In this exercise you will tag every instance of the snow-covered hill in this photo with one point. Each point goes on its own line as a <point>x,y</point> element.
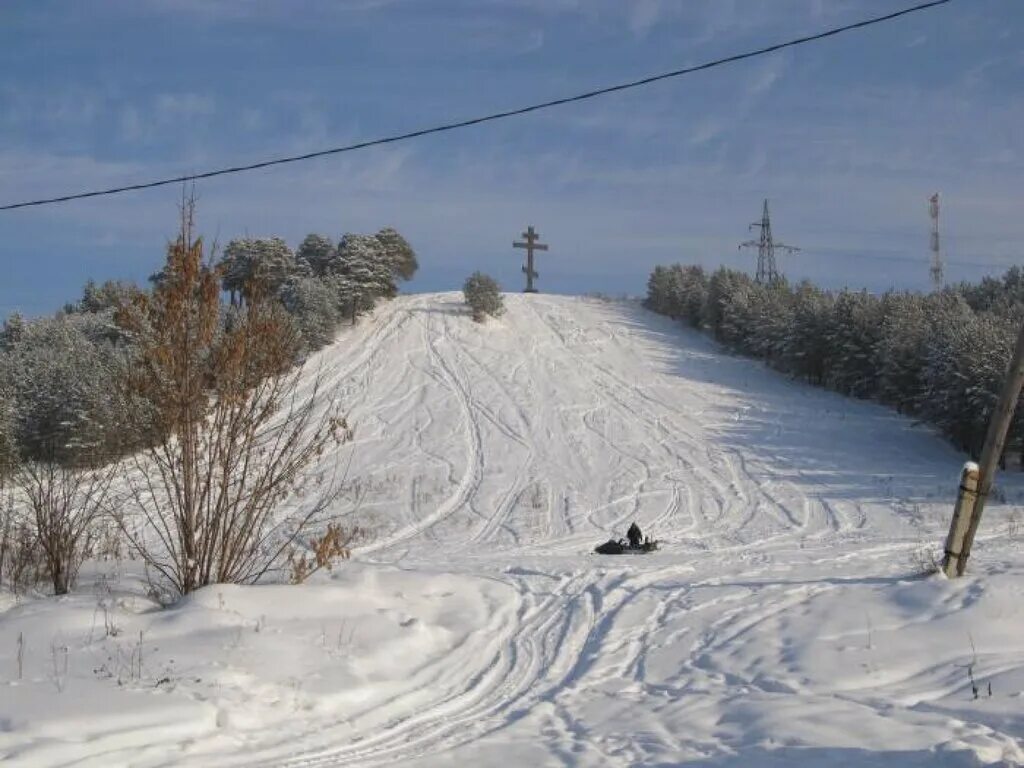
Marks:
<point>783,622</point>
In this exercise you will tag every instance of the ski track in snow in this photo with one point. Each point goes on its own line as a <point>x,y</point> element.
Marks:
<point>565,420</point>
<point>506,451</point>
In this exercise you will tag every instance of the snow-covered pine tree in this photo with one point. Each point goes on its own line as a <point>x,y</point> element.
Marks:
<point>738,313</point>
<point>236,267</point>
<point>721,286</point>
<point>396,250</point>
<point>771,319</point>
<point>483,295</point>
<point>674,291</point>
<point>693,294</point>
<point>65,420</point>
<point>267,260</point>
<point>853,334</point>
<point>8,449</point>
<point>104,297</point>
<point>318,254</point>
<point>65,410</point>
<point>806,347</point>
<point>273,263</point>
<point>985,368</point>
<point>313,303</point>
<point>946,400</point>
<point>364,274</point>
<point>12,331</point>
<point>657,290</point>
<point>901,350</point>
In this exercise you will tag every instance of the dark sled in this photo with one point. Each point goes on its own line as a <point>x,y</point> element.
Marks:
<point>621,547</point>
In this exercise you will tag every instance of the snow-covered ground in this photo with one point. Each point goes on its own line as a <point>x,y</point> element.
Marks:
<point>784,621</point>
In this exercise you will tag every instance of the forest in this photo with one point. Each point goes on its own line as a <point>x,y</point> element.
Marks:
<point>938,357</point>
<point>170,419</point>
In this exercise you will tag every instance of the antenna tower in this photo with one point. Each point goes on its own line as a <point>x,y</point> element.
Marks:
<point>767,270</point>
<point>936,267</point>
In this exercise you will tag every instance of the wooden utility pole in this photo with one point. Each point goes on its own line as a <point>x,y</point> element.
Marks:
<point>531,244</point>
<point>959,541</point>
<point>966,498</point>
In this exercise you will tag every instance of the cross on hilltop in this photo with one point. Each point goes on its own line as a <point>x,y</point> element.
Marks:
<point>531,244</point>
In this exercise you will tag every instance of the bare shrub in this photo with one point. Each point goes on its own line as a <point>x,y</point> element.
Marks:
<point>231,426</point>
<point>65,502</point>
<point>1013,523</point>
<point>107,541</point>
<point>6,531</point>
<point>21,560</point>
<point>925,560</point>
<point>322,552</point>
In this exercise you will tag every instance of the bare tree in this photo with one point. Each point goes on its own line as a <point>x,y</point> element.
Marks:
<point>232,426</point>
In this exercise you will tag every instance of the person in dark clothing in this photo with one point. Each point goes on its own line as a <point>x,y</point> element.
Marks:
<point>635,536</point>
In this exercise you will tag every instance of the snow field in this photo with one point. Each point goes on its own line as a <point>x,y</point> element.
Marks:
<point>785,621</point>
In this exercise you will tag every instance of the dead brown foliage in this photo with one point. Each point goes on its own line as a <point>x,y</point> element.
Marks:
<point>232,428</point>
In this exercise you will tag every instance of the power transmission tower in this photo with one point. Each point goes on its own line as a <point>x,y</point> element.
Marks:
<point>767,270</point>
<point>530,245</point>
<point>936,268</point>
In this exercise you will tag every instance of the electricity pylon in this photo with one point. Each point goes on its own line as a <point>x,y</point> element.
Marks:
<point>767,270</point>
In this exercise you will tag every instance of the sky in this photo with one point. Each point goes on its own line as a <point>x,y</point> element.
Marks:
<point>847,137</point>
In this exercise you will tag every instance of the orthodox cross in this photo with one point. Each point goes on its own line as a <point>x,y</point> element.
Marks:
<point>530,245</point>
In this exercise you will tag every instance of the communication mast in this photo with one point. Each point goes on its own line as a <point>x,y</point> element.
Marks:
<point>936,267</point>
<point>767,271</point>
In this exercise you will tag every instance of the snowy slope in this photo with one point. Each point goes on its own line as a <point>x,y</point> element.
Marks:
<point>783,622</point>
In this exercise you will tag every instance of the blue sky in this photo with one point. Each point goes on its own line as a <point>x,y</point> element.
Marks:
<point>848,137</point>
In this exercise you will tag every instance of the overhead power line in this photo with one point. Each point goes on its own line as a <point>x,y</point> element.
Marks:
<point>484,119</point>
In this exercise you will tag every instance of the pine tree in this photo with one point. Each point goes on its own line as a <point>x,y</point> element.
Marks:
<point>267,261</point>
<point>12,331</point>
<point>314,305</point>
<point>694,291</point>
<point>105,297</point>
<point>723,285</point>
<point>901,351</point>
<point>771,318</point>
<point>657,291</point>
<point>8,448</point>
<point>854,332</point>
<point>483,295</point>
<point>806,346</point>
<point>318,254</point>
<point>364,274</point>
<point>397,252</point>
<point>65,425</point>
<point>62,384</point>
<point>946,399</point>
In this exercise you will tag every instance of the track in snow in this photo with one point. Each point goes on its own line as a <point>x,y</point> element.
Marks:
<point>568,418</point>
<point>510,449</point>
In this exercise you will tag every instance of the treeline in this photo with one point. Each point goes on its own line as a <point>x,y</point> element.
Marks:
<point>939,357</point>
<point>203,330</point>
<point>56,372</point>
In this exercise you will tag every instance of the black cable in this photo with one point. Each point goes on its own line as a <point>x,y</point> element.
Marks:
<point>484,119</point>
